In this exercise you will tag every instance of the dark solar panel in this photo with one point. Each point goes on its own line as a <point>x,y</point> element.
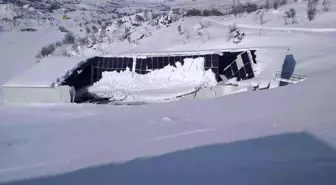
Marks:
<point>155,63</point>
<point>99,73</point>
<point>114,63</point>
<point>125,63</point>
<point>178,59</point>
<point>148,63</point>
<point>130,63</point>
<point>143,66</point>
<point>207,63</point>
<point>105,63</point>
<point>171,60</point>
<point>102,62</point>
<point>110,63</point>
<point>166,60</point>
<point>138,65</point>
<point>157,60</point>
<point>161,62</point>
<point>99,62</point>
<point>208,57</point>
<point>246,58</point>
<point>215,63</point>
<point>182,59</point>
<point>120,63</point>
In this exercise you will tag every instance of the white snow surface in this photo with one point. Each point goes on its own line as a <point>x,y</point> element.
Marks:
<point>157,85</point>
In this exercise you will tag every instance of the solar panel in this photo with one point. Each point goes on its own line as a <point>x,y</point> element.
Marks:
<point>124,63</point>
<point>149,63</point>
<point>130,63</point>
<point>182,59</point>
<point>114,63</point>
<point>143,66</point>
<point>155,63</point>
<point>120,63</point>
<point>166,61</point>
<point>161,62</point>
<point>171,60</point>
<point>178,59</point>
<point>138,64</point>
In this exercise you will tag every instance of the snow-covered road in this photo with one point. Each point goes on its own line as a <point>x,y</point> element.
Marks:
<point>310,30</point>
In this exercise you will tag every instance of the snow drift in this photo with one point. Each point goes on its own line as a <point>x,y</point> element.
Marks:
<point>157,85</point>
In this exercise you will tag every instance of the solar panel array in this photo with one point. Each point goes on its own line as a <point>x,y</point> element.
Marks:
<point>212,62</point>
<point>102,64</point>
<point>244,73</point>
<point>145,65</point>
<point>92,70</point>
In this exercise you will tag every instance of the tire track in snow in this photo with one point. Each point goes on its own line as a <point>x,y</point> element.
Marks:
<point>187,133</point>
<point>20,168</point>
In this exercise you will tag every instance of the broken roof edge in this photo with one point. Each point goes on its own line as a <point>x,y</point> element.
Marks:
<point>190,52</point>
<point>61,80</point>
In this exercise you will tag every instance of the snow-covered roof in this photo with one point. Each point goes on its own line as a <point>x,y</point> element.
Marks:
<point>46,72</point>
<point>192,52</point>
<point>177,53</point>
<point>52,70</point>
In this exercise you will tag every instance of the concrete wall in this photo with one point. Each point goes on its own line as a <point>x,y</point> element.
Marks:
<point>61,94</point>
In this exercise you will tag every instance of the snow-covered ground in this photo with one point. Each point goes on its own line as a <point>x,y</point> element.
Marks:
<point>279,136</point>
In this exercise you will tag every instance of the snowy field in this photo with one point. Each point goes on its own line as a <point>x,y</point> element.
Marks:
<point>284,135</point>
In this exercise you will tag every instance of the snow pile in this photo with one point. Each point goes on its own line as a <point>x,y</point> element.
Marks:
<point>158,85</point>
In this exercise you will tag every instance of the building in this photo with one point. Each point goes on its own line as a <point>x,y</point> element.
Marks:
<point>64,79</point>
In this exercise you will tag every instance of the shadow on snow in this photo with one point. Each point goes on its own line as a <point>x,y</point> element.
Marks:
<point>293,158</point>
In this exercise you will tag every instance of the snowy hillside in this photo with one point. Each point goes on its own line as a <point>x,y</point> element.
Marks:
<point>103,29</point>
<point>284,135</point>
